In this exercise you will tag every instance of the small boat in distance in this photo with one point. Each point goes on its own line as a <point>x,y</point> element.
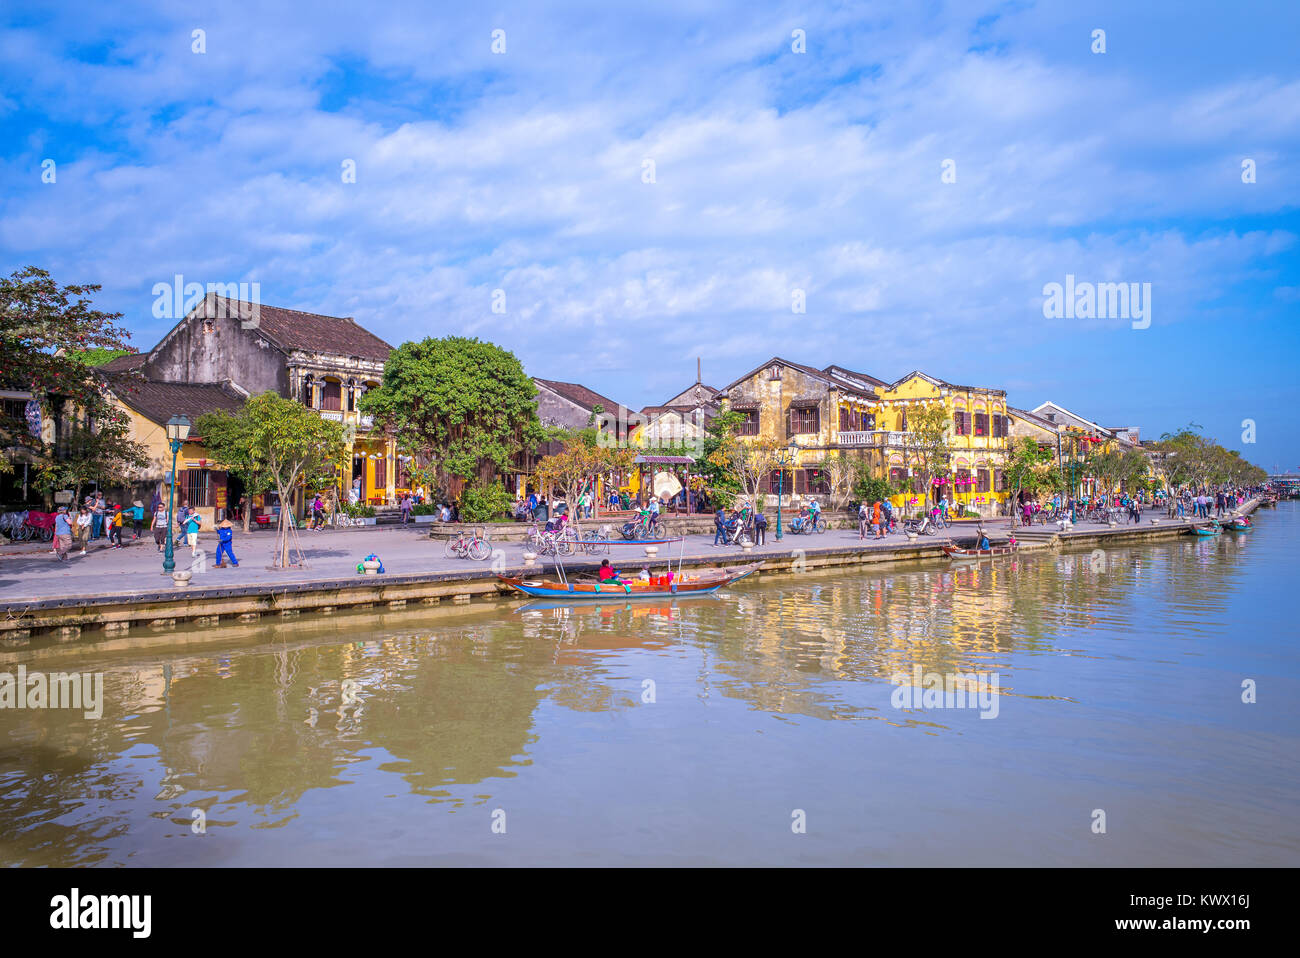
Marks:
<point>1238,524</point>
<point>1207,529</point>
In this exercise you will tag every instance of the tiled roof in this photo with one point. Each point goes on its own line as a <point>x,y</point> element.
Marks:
<point>579,395</point>
<point>159,401</point>
<point>124,363</point>
<point>338,335</point>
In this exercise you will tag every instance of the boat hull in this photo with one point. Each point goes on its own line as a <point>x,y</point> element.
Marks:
<point>956,552</point>
<point>703,584</point>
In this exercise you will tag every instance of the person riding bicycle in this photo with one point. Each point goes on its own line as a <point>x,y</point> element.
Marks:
<point>814,513</point>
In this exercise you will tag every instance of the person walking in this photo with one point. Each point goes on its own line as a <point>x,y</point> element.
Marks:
<point>97,507</point>
<point>62,533</point>
<point>82,529</point>
<point>760,529</point>
<point>225,543</point>
<point>720,527</point>
<point>864,514</point>
<point>115,528</point>
<point>160,525</point>
<point>875,521</point>
<point>407,506</point>
<point>137,518</point>
<point>193,523</point>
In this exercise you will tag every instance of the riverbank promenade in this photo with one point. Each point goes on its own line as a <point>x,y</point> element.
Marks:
<point>119,589</point>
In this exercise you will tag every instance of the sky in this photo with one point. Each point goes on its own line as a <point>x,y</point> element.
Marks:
<point>613,191</point>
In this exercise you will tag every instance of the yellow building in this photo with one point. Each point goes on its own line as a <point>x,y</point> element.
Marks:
<point>978,433</point>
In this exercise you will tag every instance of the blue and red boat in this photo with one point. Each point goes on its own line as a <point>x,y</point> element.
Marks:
<point>666,586</point>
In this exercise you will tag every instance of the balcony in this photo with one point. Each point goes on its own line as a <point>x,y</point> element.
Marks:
<point>875,437</point>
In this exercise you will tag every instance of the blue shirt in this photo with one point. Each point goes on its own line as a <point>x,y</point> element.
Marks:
<point>62,527</point>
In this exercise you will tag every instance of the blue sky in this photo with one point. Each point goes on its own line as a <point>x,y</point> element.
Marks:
<point>524,171</point>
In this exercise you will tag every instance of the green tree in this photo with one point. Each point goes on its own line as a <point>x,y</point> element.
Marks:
<point>46,331</point>
<point>287,442</point>
<point>101,452</point>
<point>714,477</point>
<point>467,403</point>
<point>230,440</point>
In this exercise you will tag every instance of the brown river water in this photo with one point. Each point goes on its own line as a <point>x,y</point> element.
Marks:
<point>781,722</point>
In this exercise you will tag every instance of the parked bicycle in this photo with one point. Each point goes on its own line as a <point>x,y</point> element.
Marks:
<point>464,545</point>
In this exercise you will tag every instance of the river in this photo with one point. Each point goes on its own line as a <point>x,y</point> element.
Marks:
<point>1146,712</point>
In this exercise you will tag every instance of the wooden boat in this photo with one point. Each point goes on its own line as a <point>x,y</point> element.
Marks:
<point>957,552</point>
<point>693,583</point>
<point>1240,524</point>
<point>1211,529</point>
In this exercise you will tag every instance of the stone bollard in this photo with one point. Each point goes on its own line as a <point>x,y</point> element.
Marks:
<point>530,558</point>
<point>651,551</point>
<point>181,580</point>
<point>371,566</point>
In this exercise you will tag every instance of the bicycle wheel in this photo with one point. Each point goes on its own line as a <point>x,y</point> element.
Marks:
<point>564,544</point>
<point>449,549</point>
<point>601,545</point>
<point>479,549</point>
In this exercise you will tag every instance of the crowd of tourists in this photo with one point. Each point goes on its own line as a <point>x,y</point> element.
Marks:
<point>97,519</point>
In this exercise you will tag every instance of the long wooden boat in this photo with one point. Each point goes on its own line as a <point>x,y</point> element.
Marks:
<point>957,552</point>
<point>1207,530</point>
<point>1240,524</point>
<point>694,583</point>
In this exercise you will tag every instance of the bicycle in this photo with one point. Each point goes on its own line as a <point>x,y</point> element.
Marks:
<point>466,546</point>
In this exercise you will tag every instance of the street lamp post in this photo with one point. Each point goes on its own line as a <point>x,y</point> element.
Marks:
<point>783,457</point>
<point>178,430</point>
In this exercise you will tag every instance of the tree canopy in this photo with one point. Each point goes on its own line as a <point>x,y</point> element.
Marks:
<point>468,403</point>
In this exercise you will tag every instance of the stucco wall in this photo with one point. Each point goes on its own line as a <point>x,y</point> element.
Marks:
<point>199,351</point>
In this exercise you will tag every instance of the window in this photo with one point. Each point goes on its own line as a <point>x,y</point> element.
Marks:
<point>869,421</point>
<point>960,423</point>
<point>981,424</point>
<point>815,481</point>
<point>902,421</point>
<point>962,482</point>
<point>197,487</point>
<point>999,481</point>
<point>15,408</point>
<point>981,480</point>
<point>804,420</point>
<point>381,475</point>
<point>331,396</point>
<point>777,482</point>
<point>749,426</point>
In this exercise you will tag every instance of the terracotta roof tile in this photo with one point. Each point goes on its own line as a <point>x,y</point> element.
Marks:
<point>313,332</point>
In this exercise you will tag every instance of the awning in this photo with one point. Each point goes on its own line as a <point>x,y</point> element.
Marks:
<point>665,460</point>
<point>805,403</point>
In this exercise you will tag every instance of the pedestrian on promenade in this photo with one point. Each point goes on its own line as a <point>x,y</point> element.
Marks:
<point>97,507</point>
<point>160,525</point>
<point>62,533</point>
<point>943,507</point>
<point>193,523</point>
<point>82,529</point>
<point>115,528</point>
<point>225,542</point>
<point>864,516</point>
<point>760,529</point>
<point>720,527</point>
<point>318,512</point>
<point>137,518</point>
<point>407,506</point>
<point>875,521</point>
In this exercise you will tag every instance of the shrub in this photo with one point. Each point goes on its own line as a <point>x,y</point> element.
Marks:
<point>480,503</point>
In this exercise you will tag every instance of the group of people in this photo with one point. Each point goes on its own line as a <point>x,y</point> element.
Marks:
<point>877,517</point>
<point>96,518</point>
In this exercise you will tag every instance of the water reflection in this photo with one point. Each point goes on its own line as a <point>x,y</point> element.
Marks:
<point>446,710</point>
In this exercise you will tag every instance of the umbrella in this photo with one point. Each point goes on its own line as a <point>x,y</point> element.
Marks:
<point>666,485</point>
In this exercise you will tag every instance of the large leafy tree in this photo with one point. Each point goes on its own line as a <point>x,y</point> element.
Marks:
<point>230,440</point>
<point>283,441</point>
<point>51,338</point>
<point>467,403</point>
